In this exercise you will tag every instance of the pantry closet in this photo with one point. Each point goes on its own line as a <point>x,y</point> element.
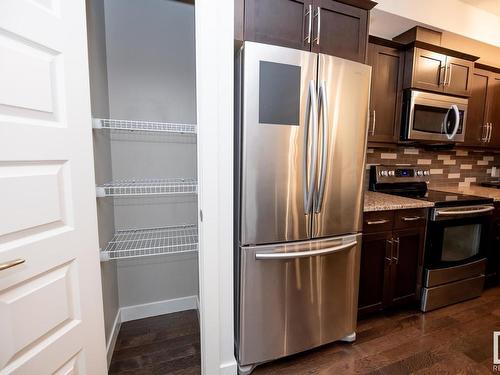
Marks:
<point>142,78</point>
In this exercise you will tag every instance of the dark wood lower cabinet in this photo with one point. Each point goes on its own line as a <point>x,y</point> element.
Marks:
<point>493,258</point>
<point>374,273</point>
<point>391,264</point>
<point>408,247</point>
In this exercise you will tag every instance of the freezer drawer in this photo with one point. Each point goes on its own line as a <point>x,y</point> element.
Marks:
<point>294,297</point>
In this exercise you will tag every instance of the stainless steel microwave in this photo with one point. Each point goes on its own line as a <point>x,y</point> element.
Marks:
<point>433,117</point>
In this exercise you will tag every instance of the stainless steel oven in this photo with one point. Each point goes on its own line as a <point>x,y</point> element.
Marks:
<point>433,117</point>
<point>455,254</point>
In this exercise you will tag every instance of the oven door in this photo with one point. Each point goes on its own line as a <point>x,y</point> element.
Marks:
<point>434,117</point>
<point>457,236</point>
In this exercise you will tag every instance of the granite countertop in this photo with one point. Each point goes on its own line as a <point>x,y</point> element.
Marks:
<point>480,191</point>
<point>383,202</point>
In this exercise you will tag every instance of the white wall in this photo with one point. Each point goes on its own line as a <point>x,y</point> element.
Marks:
<point>452,15</point>
<point>151,76</point>
<point>102,153</point>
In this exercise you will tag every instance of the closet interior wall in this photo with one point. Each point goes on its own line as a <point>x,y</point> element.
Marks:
<point>143,68</point>
<point>151,76</point>
<point>99,100</point>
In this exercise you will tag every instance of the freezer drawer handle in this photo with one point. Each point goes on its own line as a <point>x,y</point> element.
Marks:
<point>305,254</point>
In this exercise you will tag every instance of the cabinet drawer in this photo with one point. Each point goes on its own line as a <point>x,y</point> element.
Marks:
<point>378,221</point>
<point>410,218</point>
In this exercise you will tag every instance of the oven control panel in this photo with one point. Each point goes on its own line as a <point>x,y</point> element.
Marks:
<point>395,173</point>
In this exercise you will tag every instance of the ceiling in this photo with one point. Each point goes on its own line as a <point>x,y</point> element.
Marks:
<point>491,6</point>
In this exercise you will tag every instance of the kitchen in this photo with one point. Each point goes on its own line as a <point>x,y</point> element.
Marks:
<point>333,208</point>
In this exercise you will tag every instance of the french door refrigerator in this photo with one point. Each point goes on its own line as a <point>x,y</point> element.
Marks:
<point>300,153</point>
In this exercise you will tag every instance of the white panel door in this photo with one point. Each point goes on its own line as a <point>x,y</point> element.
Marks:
<point>51,319</point>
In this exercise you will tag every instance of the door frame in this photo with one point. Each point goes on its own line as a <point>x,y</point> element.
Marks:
<point>214,28</point>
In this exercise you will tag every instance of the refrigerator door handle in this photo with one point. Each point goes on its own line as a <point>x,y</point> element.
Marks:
<point>311,112</point>
<point>323,110</point>
<point>305,254</point>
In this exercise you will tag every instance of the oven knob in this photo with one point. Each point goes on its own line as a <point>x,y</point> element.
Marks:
<point>391,173</point>
<point>420,173</point>
<point>384,173</point>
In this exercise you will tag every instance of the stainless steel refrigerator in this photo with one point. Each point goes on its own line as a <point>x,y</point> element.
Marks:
<point>300,160</point>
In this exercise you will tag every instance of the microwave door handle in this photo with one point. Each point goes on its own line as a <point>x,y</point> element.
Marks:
<point>311,112</point>
<point>323,100</point>
<point>454,107</point>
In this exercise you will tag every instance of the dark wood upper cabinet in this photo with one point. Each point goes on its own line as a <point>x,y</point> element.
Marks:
<point>494,112</point>
<point>343,30</point>
<point>281,22</point>
<point>386,92</point>
<point>338,28</point>
<point>436,71</point>
<point>424,69</point>
<point>458,76</point>
<point>475,126</point>
<point>483,114</point>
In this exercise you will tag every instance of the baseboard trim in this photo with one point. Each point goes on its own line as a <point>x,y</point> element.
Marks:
<point>110,345</point>
<point>228,368</point>
<point>158,308</point>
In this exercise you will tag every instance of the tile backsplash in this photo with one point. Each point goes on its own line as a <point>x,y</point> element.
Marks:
<point>448,168</point>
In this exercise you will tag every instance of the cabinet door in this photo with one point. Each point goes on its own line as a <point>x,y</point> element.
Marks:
<point>494,111</point>
<point>280,22</point>
<point>475,129</point>
<point>428,70</point>
<point>458,76</point>
<point>406,266</point>
<point>340,30</point>
<point>493,258</point>
<point>374,272</point>
<point>385,98</point>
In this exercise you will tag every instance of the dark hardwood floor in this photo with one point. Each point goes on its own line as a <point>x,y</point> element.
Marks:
<point>166,344</point>
<point>453,340</point>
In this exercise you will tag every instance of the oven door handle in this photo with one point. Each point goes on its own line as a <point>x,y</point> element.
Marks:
<point>454,107</point>
<point>305,254</point>
<point>467,212</point>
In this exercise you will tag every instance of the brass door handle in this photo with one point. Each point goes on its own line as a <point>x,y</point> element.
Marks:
<point>10,264</point>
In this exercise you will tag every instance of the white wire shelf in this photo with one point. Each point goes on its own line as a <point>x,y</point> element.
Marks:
<point>143,126</point>
<point>171,186</point>
<point>134,243</point>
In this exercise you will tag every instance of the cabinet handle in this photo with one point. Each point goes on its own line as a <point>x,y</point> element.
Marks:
<point>412,218</point>
<point>307,39</point>
<point>389,258</point>
<point>10,264</point>
<point>396,259</point>
<point>318,15</point>
<point>484,129</point>
<point>449,76</point>
<point>374,222</point>
<point>445,73</point>
<point>490,132</point>
<point>374,122</point>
